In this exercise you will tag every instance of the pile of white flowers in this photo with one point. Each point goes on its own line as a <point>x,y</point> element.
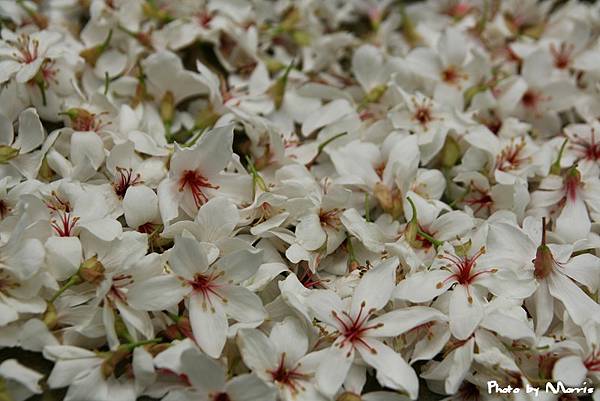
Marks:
<point>256,200</point>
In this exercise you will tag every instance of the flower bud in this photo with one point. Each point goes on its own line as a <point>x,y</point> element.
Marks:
<point>301,38</point>
<point>167,107</point>
<point>7,153</point>
<point>45,172</point>
<point>376,93</point>
<point>543,262</point>
<point>91,271</point>
<point>450,153</point>
<point>207,118</point>
<point>50,317</point>
<point>110,363</point>
<point>92,54</point>
<point>348,396</point>
<point>410,234</point>
<point>389,201</point>
<point>80,119</point>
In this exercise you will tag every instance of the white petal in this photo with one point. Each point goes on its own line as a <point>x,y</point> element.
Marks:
<point>63,256</point>
<point>209,324</point>
<point>11,369</point>
<point>249,388</point>
<point>322,303</point>
<point>422,286</point>
<point>400,321</point>
<point>214,150</point>
<point>309,233</point>
<point>367,64</point>
<point>570,370</point>
<point>375,287</point>
<point>87,145</point>
<point>242,304</point>
<point>140,206</point>
<point>106,229</point>
<point>392,369</point>
<point>6,129</point>
<point>31,131</point>
<point>578,304</point>
<point>464,315</point>
<point>335,366</point>
<point>188,257</point>
<point>584,269</point>
<point>204,373</point>
<point>330,113</point>
<point>217,219</point>
<point>157,293</point>
<point>290,337</point>
<point>573,223</point>
<point>169,198</point>
<point>257,351</point>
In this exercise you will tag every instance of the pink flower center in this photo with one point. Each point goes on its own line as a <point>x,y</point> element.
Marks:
<point>458,9</point>
<point>589,150</point>
<point>27,49</point>
<point>592,363</point>
<point>120,281</point>
<point>195,182</point>
<point>572,184</point>
<point>479,198</point>
<point>330,218</point>
<point>422,113</point>
<point>509,158</point>
<point>562,55</point>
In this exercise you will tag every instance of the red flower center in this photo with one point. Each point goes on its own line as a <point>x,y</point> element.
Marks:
<point>353,329</point>
<point>288,377</point>
<point>125,179</point>
<point>221,397</point>
<point>195,182</point>
<point>4,209</point>
<point>423,115</point>
<point>462,268</point>
<point>65,224</point>
<point>452,75</point>
<point>531,99</point>
<point>208,286</point>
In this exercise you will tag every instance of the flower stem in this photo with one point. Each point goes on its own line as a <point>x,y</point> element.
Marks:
<point>74,280</point>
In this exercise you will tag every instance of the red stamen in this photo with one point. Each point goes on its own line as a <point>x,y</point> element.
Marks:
<point>288,377</point>
<point>353,329</point>
<point>462,269</point>
<point>125,179</point>
<point>195,182</point>
<point>65,226</point>
<point>208,286</point>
